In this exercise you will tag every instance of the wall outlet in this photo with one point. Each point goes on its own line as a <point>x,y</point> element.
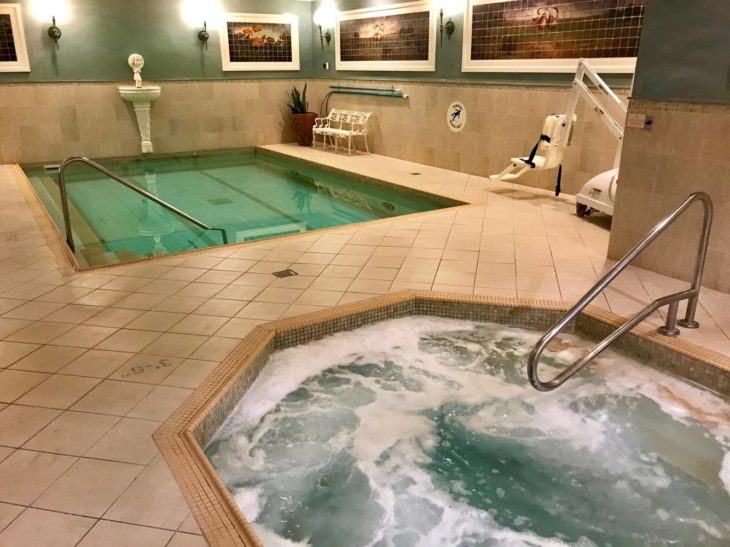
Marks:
<point>639,121</point>
<point>326,66</point>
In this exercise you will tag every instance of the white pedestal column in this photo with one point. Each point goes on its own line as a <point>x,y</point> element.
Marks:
<point>142,110</point>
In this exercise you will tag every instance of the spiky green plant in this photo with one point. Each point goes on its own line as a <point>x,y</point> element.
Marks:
<point>298,101</point>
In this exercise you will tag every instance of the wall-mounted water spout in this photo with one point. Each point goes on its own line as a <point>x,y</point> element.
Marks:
<point>141,96</point>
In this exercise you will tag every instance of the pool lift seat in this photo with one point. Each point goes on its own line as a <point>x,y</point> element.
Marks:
<point>598,193</point>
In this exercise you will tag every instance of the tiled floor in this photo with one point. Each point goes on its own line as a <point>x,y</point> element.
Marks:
<point>91,364</point>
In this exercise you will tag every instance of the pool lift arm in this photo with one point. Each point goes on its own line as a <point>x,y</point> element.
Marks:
<point>600,192</point>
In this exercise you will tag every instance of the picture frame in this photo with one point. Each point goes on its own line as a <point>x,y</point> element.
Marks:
<point>399,37</point>
<point>256,41</point>
<point>526,37</point>
<point>13,48</point>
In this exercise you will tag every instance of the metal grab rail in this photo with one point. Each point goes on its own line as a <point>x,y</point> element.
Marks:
<point>672,300</point>
<point>117,178</point>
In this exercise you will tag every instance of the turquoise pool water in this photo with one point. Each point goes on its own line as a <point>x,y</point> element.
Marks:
<point>424,432</point>
<point>249,196</point>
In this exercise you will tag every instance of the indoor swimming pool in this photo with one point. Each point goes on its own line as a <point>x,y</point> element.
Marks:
<point>424,431</point>
<point>242,197</point>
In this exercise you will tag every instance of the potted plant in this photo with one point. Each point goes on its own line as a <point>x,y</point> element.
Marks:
<point>302,121</point>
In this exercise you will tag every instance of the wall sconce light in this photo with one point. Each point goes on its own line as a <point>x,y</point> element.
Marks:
<point>54,32</point>
<point>326,18</point>
<point>204,35</point>
<point>449,27</point>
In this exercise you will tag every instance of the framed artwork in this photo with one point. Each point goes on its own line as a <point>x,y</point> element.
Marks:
<point>398,37</point>
<point>551,35</point>
<point>13,51</point>
<point>254,41</point>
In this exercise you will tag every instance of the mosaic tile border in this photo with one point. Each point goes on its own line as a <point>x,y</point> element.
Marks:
<point>182,437</point>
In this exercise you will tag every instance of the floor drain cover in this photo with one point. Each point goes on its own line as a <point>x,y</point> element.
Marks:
<point>220,201</point>
<point>415,174</point>
<point>285,273</point>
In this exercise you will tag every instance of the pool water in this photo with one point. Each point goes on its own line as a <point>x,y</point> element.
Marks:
<point>248,196</point>
<point>424,432</point>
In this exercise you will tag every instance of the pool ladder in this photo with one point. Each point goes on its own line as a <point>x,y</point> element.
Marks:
<point>91,163</point>
<point>672,300</point>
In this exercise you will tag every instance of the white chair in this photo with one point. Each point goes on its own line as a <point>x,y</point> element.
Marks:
<point>342,124</point>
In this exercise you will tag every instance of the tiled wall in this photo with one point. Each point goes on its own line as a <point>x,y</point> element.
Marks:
<point>48,122</point>
<point>502,122</point>
<point>685,151</point>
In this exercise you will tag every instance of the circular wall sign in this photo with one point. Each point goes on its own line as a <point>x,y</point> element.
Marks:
<point>456,116</point>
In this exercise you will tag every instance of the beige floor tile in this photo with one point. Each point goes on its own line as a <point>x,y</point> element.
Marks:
<point>15,383</point>
<point>84,336</point>
<point>319,298</point>
<point>218,307</point>
<point>97,363</point>
<point>156,321</point>
<point>114,317</point>
<point>5,451</point>
<point>102,297</point>
<point>383,274</point>
<point>500,293</point>
<point>187,540</point>
<point>190,374</point>
<point>65,294</point>
<point>58,391</point>
<point>130,441</point>
<point>129,340</point>
<point>159,403</point>
<point>265,311</point>
<point>202,290</point>
<point>141,301</point>
<point>8,513</point>
<point>25,475</point>
<point>117,534</point>
<point>175,345</point>
<point>162,286</point>
<point>235,265</point>
<point>10,352</point>
<point>215,349</point>
<point>339,284</point>
<point>126,284</point>
<point>299,309</point>
<point>72,433</point>
<point>33,311</point>
<point>350,260</point>
<point>398,286</point>
<point>10,327</point>
<point>199,324</point>
<point>453,289</point>
<point>89,487</point>
<point>235,328</point>
<point>190,526</point>
<point>342,271</point>
<point>146,369</point>
<point>254,280</point>
<point>415,275</point>
<point>28,291</point>
<point>218,277</point>
<point>112,397</point>
<point>74,313</point>
<point>308,269</point>
<point>8,304</point>
<point>350,297</point>
<point>40,333</point>
<point>48,359</point>
<point>279,295</point>
<point>184,274</point>
<point>371,286</point>
<point>19,423</point>
<point>35,528</point>
<point>239,292</point>
<point>153,499</point>
<point>294,282</point>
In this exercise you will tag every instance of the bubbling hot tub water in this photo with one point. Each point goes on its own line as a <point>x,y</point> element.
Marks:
<point>424,431</point>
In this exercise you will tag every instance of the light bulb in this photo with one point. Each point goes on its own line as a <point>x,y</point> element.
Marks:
<point>326,14</point>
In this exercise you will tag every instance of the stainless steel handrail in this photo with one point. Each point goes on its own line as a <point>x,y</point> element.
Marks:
<point>672,300</point>
<point>117,178</point>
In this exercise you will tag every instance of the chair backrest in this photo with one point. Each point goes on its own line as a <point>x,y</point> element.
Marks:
<point>350,120</point>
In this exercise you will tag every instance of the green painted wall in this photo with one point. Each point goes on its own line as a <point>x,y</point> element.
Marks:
<point>448,58</point>
<point>685,51</point>
<point>101,34</point>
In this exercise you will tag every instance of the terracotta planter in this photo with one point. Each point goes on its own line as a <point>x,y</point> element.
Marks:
<point>302,125</point>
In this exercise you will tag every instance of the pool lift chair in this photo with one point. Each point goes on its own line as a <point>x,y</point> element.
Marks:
<point>599,193</point>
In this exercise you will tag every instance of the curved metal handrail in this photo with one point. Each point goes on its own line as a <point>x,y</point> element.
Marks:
<point>672,300</point>
<point>133,187</point>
